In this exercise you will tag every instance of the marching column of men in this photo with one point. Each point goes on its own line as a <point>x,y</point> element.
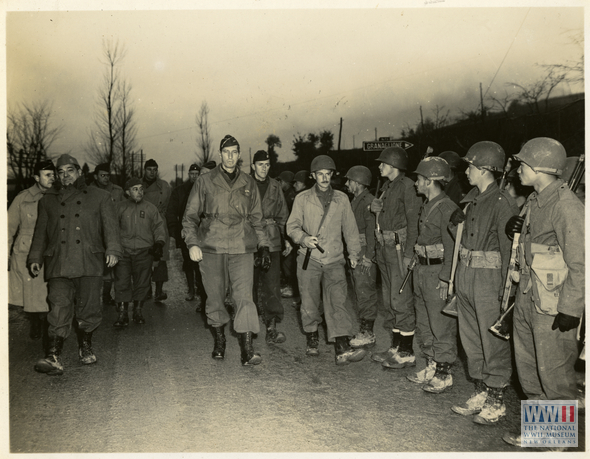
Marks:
<point>238,231</point>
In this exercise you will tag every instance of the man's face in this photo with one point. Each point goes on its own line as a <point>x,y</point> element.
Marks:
<point>385,169</point>
<point>284,185</point>
<point>261,169</point>
<point>526,174</point>
<point>229,157</point>
<point>151,173</point>
<point>68,174</point>
<point>322,178</point>
<point>136,192</point>
<point>298,186</point>
<point>103,178</point>
<point>192,176</point>
<point>422,185</point>
<point>473,174</point>
<point>352,186</point>
<point>45,179</point>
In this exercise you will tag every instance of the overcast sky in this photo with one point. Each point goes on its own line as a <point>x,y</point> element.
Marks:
<point>278,71</point>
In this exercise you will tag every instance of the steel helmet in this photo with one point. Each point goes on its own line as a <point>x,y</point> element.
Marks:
<point>486,155</point>
<point>543,155</point>
<point>322,162</point>
<point>286,176</point>
<point>394,156</point>
<point>434,168</point>
<point>360,174</point>
<point>452,158</point>
<point>301,176</point>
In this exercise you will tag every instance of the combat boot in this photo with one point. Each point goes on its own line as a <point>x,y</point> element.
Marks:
<point>313,344</point>
<point>137,316</point>
<point>424,375</point>
<point>405,354</point>
<point>442,380</point>
<point>493,409</point>
<point>249,357</point>
<point>272,335</point>
<point>345,354</point>
<point>123,318</point>
<point>287,292</point>
<point>85,347</point>
<point>219,344</point>
<point>365,337</point>
<point>51,364</point>
<point>475,403</point>
<point>383,356</point>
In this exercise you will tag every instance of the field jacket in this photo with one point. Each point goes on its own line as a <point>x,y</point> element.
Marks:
<point>141,225</point>
<point>274,214</point>
<point>224,218</point>
<point>305,220</point>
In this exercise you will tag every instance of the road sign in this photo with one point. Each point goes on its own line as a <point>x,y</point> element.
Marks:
<point>379,146</point>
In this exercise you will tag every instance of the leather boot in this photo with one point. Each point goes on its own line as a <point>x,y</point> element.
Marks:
<point>123,318</point>
<point>475,403</point>
<point>405,354</point>
<point>442,380</point>
<point>36,322</point>
<point>85,347</point>
<point>313,344</point>
<point>365,337</point>
<point>272,335</point>
<point>345,354</point>
<point>219,344</point>
<point>51,364</point>
<point>493,409</point>
<point>249,357</point>
<point>137,317</point>
<point>392,351</point>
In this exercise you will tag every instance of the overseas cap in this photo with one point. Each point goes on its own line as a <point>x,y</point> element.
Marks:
<point>66,159</point>
<point>228,141</point>
<point>44,165</point>
<point>260,155</point>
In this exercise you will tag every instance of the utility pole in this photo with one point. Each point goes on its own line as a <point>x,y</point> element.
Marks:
<point>182,173</point>
<point>483,115</point>
<point>141,162</point>
<point>353,144</point>
<point>340,134</point>
<point>422,120</point>
<point>375,134</point>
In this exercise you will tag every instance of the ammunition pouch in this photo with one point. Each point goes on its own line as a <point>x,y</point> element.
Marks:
<point>480,259</point>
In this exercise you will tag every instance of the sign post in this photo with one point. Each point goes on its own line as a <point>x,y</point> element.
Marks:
<point>383,144</point>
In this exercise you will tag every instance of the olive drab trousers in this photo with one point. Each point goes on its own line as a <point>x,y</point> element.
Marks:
<point>365,289</point>
<point>488,357</point>
<point>545,358</point>
<point>221,270</point>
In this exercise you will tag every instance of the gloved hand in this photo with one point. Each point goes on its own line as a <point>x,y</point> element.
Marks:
<point>565,322</point>
<point>264,258</point>
<point>457,217</point>
<point>376,205</point>
<point>514,225</point>
<point>158,250</point>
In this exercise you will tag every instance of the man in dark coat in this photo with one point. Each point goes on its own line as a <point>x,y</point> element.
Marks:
<point>174,214</point>
<point>76,229</point>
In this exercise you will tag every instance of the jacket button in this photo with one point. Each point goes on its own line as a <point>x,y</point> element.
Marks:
<point>62,216</point>
<point>77,215</point>
<point>63,229</point>
<point>78,228</point>
<point>78,241</point>
<point>63,242</point>
<point>79,202</point>
<point>63,203</point>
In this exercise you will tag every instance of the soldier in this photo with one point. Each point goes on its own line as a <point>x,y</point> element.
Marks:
<point>24,290</point>
<point>436,333</point>
<point>207,167</point>
<point>397,217</point>
<point>364,277</point>
<point>320,217</point>
<point>289,256</point>
<point>550,294</point>
<point>456,188</point>
<point>157,191</point>
<point>479,281</point>
<point>76,228</point>
<point>102,180</point>
<point>275,214</point>
<point>174,214</point>
<point>222,227</point>
<point>143,237</point>
<point>300,181</point>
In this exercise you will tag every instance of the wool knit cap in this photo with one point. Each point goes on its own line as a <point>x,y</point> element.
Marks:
<point>260,155</point>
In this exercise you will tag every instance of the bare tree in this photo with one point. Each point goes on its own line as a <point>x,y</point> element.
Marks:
<point>29,136</point>
<point>502,103</point>
<point>273,142</point>
<point>534,93</point>
<point>573,70</point>
<point>127,128</point>
<point>204,142</point>
<point>441,118</point>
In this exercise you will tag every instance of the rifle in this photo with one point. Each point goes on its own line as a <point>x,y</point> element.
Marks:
<point>577,175</point>
<point>505,173</point>
<point>411,267</point>
<point>450,308</point>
